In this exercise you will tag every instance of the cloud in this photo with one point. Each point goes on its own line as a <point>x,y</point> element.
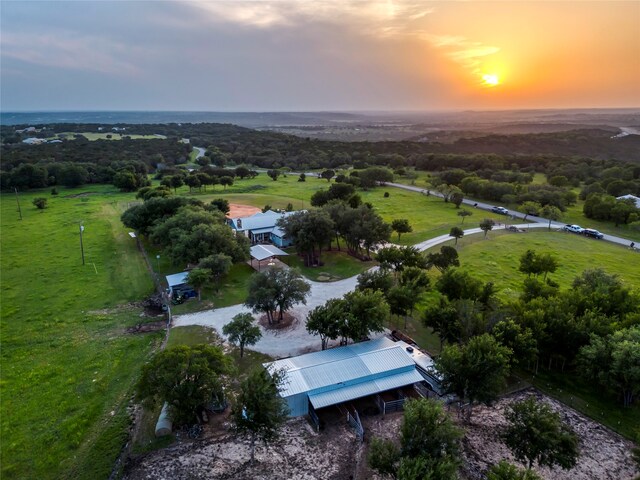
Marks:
<point>460,49</point>
<point>378,17</point>
<point>70,51</point>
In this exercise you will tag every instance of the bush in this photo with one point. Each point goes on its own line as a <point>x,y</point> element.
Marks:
<point>386,194</point>
<point>40,203</point>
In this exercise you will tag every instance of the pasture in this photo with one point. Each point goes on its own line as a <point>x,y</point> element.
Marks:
<point>497,259</point>
<point>67,364</point>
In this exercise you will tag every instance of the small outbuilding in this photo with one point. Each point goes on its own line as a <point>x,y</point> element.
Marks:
<point>338,375</point>
<point>265,252</point>
<point>178,285</point>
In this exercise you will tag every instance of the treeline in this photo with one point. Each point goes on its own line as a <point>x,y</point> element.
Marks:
<point>77,162</point>
<point>585,151</point>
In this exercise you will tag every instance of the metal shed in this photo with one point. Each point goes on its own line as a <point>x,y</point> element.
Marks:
<point>338,375</point>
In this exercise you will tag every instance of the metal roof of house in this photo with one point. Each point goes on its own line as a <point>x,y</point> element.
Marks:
<point>177,279</point>
<point>343,367</point>
<point>261,252</point>
<point>260,220</point>
<point>359,390</point>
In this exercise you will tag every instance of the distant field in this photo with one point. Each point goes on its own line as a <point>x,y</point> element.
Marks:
<point>498,258</point>
<point>67,365</point>
<point>108,136</point>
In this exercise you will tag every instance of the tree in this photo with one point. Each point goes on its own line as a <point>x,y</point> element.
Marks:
<point>291,289</point>
<point>327,320</point>
<point>327,175</point>
<point>536,434</point>
<point>506,471</point>
<point>456,284</point>
<point>302,178</point>
<point>221,204</point>
<point>518,338</point>
<point>226,181</point>
<point>371,176</point>
<point>276,289</point>
<point>365,228</point>
<point>273,174</point>
<point>429,445</point>
<point>198,278</point>
<point>125,181</point>
<point>445,258</point>
<point>260,411</point>
<point>486,226</point>
<point>192,182</point>
<point>176,182</point>
<point>241,331</point>
<point>367,312</point>
<point>242,172</point>
<point>456,232</point>
<point>40,203</point>
<point>552,213</point>
<point>400,226</point>
<point>456,198</point>
<point>218,265</point>
<point>475,371</point>
<point>614,362</point>
<point>384,456</point>
<point>529,208</point>
<point>464,213</point>
<point>443,320</point>
<point>309,231</point>
<point>185,377</point>
<point>379,279</point>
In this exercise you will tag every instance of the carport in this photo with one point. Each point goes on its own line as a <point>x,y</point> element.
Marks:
<point>265,252</point>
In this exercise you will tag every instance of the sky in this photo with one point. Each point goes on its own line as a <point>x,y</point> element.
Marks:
<point>318,55</point>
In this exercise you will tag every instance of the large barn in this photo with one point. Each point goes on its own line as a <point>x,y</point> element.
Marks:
<point>338,375</point>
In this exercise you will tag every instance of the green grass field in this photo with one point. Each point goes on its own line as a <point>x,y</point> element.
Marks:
<point>497,259</point>
<point>337,266</point>
<point>428,215</point>
<point>67,365</point>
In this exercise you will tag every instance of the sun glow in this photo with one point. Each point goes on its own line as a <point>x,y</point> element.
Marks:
<point>490,80</point>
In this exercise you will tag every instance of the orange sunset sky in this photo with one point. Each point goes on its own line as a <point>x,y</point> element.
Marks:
<point>319,55</point>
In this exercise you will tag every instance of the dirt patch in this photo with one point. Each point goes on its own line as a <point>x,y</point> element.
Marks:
<point>288,322</point>
<point>603,454</point>
<point>80,195</point>
<point>240,211</point>
<point>300,453</point>
<point>147,327</point>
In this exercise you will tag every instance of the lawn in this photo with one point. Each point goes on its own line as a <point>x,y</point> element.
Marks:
<point>337,266</point>
<point>67,365</point>
<point>429,216</point>
<point>497,259</point>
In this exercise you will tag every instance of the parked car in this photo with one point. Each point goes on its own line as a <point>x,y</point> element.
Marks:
<point>590,232</point>
<point>500,210</point>
<point>573,228</point>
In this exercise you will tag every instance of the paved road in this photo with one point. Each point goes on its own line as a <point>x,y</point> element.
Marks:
<point>512,213</point>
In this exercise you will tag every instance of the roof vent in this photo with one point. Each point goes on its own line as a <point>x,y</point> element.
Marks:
<point>410,349</point>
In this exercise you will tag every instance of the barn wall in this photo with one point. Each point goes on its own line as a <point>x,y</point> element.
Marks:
<point>298,404</point>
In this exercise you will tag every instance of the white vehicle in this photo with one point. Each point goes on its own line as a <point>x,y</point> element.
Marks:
<point>573,228</point>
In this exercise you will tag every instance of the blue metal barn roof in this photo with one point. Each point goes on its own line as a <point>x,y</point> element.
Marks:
<point>345,367</point>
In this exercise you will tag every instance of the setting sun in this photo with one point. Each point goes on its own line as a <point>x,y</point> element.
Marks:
<point>490,80</point>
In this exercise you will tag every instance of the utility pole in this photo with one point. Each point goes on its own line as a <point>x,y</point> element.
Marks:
<point>18,202</point>
<point>81,245</point>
